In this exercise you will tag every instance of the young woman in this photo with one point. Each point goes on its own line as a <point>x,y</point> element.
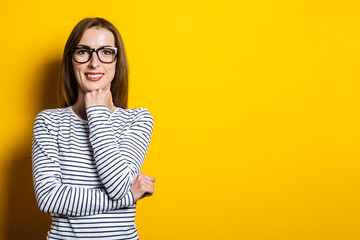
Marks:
<point>87,155</point>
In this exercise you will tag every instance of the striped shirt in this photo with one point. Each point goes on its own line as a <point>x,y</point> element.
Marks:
<point>83,170</point>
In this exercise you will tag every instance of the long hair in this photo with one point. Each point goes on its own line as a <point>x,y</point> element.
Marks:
<point>67,88</point>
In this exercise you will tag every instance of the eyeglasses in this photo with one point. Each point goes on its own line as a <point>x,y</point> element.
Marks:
<point>105,54</point>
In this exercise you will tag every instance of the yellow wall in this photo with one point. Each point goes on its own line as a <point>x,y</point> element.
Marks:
<point>256,107</point>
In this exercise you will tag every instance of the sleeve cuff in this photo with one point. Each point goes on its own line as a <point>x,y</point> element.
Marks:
<point>131,198</point>
<point>97,111</point>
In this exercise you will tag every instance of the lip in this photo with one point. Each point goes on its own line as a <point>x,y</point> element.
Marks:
<point>94,79</point>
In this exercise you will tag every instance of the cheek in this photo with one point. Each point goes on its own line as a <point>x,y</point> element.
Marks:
<point>77,72</point>
<point>111,72</point>
<point>77,75</point>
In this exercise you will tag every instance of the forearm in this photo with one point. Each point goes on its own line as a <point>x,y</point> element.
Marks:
<point>118,164</point>
<point>55,197</point>
<point>75,201</point>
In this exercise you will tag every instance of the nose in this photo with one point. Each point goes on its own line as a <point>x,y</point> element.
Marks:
<point>94,60</point>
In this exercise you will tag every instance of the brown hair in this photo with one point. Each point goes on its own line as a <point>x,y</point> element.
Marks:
<point>68,90</point>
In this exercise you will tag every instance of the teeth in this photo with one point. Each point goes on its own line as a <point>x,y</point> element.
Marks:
<point>94,75</point>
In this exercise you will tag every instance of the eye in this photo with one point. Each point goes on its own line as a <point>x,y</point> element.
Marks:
<point>107,51</point>
<point>82,51</point>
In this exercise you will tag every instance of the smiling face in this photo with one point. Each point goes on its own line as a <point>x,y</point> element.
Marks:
<point>94,74</point>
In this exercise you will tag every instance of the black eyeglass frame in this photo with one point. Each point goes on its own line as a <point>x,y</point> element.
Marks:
<point>94,50</point>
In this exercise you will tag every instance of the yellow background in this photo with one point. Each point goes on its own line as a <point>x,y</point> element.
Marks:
<point>256,108</point>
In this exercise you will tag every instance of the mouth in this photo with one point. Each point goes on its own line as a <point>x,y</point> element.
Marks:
<point>93,76</point>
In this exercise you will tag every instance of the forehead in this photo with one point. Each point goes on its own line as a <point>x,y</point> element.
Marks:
<point>97,37</point>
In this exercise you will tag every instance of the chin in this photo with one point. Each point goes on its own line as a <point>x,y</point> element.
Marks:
<point>89,86</point>
<point>92,87</point>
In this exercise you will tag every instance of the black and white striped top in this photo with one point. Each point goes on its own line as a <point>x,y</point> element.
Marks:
<point>83,170</point>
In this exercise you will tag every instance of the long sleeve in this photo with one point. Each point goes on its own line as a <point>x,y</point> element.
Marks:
<point>55,197</point>
<point>119,161</point>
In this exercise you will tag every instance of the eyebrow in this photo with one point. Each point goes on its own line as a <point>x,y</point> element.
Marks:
<point>86,46</point>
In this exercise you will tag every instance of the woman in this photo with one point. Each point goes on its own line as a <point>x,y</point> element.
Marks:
<point>87,155</point>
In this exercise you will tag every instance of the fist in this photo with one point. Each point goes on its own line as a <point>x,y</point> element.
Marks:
<point>99,97</point>
<point>143,186</point>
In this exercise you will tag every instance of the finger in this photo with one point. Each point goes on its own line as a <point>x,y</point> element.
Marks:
<point>148,194</point>
<point>146,176</point>
<point>149,190</point>
<point>148,184</point>
<point>107,91</point>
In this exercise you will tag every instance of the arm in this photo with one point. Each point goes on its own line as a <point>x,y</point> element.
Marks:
<point>55,197</point>
<point>119,164</point>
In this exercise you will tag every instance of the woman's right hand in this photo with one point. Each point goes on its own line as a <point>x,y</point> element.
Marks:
<point>101,96</point>
<point>143,186</point>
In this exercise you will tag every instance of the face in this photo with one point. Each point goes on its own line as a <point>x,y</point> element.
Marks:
<point>94,74</point>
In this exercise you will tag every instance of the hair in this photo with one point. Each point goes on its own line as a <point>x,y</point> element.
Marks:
<point>68,89</point>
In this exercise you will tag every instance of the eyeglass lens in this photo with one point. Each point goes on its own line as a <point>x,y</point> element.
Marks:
<point>83,55</point>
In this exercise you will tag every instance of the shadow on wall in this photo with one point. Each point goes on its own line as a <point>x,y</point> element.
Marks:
<point>24,220</point>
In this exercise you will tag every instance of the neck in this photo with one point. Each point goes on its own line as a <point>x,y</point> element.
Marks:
<point>79,108</point>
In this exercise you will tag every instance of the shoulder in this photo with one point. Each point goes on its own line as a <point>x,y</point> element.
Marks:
<point>51,117</point>
<point>135,114</point>
<point>136,119</point>
<point>53,114</point>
